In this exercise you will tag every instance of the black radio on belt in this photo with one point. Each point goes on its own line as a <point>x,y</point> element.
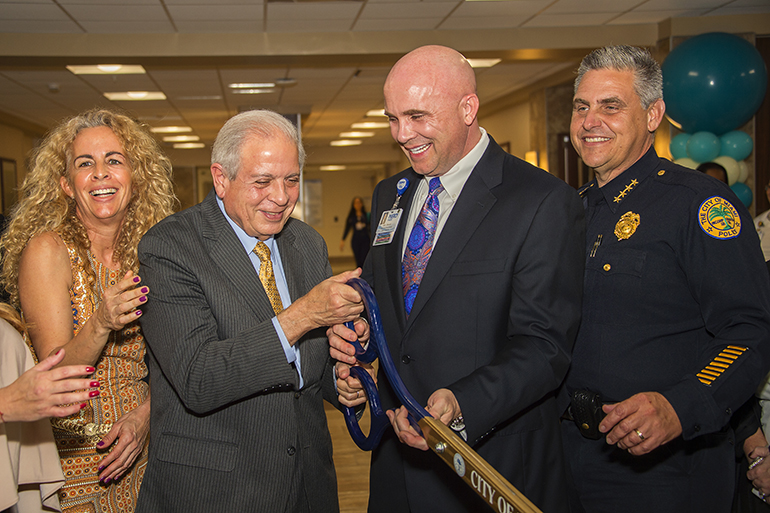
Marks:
<point>586,410</point>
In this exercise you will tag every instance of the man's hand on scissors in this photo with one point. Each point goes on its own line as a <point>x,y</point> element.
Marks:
<point>442,405</point>
<point>340,337</point>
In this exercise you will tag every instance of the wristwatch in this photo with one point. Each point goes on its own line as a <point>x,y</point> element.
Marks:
<point>458,426</point>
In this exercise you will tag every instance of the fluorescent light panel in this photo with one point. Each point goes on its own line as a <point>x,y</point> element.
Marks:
<point>130,96</point>
<point>346,142</point>
<point>370,124</point>
<point>345,135</point>
<point>181,138</point>
<point>253,91</point>
<point>108,69</point>
<point>332,168</point>
<point>376,113</point>
<point>188,146</point>
<point>170,129</point>
<point>251,85</point>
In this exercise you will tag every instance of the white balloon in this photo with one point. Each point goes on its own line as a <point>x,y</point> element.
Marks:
<point>731,166</point>
<point>744,171</point>
<point>687,162</point>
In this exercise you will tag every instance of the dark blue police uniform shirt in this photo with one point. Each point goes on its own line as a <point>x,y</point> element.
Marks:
<point>676,297</point>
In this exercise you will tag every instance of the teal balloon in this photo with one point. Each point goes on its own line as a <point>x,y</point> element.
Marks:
<point>678,146</point>
<point>736,144</point>
<point>743,192</point>
<point>713,82</point>
<point>703,146</point>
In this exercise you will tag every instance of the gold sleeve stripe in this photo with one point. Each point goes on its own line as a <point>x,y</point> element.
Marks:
<point>720,364</point>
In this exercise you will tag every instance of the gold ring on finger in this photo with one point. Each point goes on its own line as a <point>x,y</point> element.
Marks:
<point>639,434</point>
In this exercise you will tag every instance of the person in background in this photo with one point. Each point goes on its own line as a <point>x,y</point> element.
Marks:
<point>762,225</point>
<point>30,473</point>
<point>241,292</point>
<point>478,285</point>
<point>675,333</point>
<point>97,182</point>
<point>714,170</point>
<point>357,222</point>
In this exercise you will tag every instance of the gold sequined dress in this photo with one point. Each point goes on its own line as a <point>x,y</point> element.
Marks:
<point>120,371</point>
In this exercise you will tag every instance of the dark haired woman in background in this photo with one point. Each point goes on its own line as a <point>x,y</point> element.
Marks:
<point>358,222</point>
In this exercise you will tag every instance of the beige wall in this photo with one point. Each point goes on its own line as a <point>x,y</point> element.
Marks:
<point>510,126</point>
<point>338,189</point>
<point>16,145</point>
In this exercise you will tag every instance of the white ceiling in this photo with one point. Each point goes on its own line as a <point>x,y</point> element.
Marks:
<point>338,51</point>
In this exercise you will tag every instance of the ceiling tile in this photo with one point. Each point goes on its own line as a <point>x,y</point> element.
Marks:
<point>570,20</point>
<point>581,6</point>
<point>414,11</point>
<point>310,11</point>
<point>483,22</point>
<point>517,8</point>
<point>125,26</point>
<point>117,13</point>
<point>635,17</point>
<point>23,11</point>
<point>308,25</point>
<point>39,27</point>
<point>398,24</point>
<point>215,12</point>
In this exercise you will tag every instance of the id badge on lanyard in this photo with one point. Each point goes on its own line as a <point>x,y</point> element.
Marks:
<point>386,229</point>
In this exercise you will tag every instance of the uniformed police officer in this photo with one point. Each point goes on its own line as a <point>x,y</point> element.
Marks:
<point>676,311</point>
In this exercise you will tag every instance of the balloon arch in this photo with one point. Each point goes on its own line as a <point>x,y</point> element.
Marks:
<point>712,85</point>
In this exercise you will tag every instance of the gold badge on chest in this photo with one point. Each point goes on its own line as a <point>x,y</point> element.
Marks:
<point>627,225</point>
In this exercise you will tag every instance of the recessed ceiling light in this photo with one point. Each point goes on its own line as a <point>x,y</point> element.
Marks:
<point>483,63</point>
<point>357,134</point>
<point>285,82</point>
<point>108,69</point>
<point>376,113</point>
<point>370,124</point>
<point>170,129</point>
<point>332,168</point>
<point>135,96</point>
<point>346,142</point>
<point>181,138</point>
<point>252,85</point>
<point>188,146</point>
<point>253,91</point>
<point>213,97</point>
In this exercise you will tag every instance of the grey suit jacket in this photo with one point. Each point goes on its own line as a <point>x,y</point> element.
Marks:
<point>494,321</point>
<point>230,431</point>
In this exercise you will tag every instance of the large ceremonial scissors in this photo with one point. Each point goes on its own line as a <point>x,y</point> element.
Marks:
<point>487,482</point>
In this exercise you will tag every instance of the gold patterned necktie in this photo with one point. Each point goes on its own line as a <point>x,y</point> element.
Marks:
<point>267,277</point>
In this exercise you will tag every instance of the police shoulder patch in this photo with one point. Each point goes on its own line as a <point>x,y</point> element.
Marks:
<point>719,219</point>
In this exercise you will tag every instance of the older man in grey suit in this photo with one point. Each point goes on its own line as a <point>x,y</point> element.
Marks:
<point>239,366</point>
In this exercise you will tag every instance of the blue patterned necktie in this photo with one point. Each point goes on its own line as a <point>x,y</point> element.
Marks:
<point>420,244</point>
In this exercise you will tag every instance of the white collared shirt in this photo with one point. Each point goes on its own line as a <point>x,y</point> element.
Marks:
<point>453,182</point>
<point>249,242</point>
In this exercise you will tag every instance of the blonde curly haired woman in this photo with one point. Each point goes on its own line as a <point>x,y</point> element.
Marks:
<point>97,183</point>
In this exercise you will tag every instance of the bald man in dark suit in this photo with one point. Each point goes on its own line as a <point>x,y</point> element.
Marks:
<point>487,334</point>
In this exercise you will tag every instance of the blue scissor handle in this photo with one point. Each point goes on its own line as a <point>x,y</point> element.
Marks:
<point>378,347</point>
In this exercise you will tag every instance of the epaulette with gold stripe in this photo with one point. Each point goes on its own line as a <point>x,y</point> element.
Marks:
<point>583,190</point>
<point>720,364</point>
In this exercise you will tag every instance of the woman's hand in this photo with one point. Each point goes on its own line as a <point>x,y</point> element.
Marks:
<point>127,438</point>
<point>43,391</point>
<point>120,303</point>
